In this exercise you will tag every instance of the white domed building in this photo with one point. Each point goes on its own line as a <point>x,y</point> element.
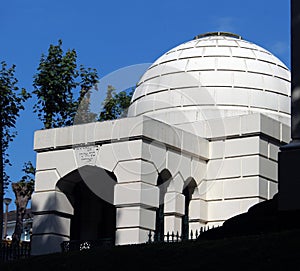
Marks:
<point>199,146</point>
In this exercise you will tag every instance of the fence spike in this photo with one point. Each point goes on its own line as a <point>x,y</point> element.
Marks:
<point>168,237</point>
<point>177,236</point>
<point>149,237</point>
<point>196,234</point>
<point>172,236</point>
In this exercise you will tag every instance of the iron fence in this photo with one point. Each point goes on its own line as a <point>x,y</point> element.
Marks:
<point>80,245</point>
<point>154,237</point>
<point>10,253</point>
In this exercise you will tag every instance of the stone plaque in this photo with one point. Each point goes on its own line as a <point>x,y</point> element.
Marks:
<point>86,155</point>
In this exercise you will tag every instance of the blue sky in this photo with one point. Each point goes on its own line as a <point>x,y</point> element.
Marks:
<point>109,35</point>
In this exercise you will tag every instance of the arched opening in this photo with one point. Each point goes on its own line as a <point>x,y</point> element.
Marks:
<point>162,183</point>
<point>188,193</point>
<point>90,191</point>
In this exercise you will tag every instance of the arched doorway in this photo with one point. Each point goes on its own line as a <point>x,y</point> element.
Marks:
<point>162,183</point>
<point>90,191</point>
<point>188,193</point>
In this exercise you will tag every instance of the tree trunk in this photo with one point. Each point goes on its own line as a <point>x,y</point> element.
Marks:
<point>23,193</point>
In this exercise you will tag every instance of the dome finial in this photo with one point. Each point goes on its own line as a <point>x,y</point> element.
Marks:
<point>220,33</point>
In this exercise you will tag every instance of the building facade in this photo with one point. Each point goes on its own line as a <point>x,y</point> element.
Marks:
<point>11,223</point>
<point>199,146</point>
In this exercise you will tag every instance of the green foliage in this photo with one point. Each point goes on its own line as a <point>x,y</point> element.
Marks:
<point>29,173</point>
<point>55,86</point>
<point>11,102</point>
<point>115,104</point>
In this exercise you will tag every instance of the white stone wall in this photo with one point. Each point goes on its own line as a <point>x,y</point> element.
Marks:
<point>242,166</point>
<point>234,168</point>
<point>138,151</point>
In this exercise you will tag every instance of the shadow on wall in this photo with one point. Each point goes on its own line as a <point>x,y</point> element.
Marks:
<point>261,218</point>
<point>75,211</point>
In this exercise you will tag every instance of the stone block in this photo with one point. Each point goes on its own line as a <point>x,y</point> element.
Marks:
<point>51,224</point>
<point>130,217</point>
<point>110,154</point>
<point>212,190</point>
<point>264,188</point>
<point>247,80</point>
<point>53,160</point>
<point>222,210</point>
<point>273,189</point>
<point>242,188</point>
<point>176,184</point>
<point>105,131</point>
<point>136,171</point>
<point>190,96</point>
<point>273,152</point>
<point>195,145</point>
<point>241,146</point>
<point>264,148</point>
<point>174,203</point>
<point>163,133</point>
<point>264,99</point>
<point>250,166</point>
<point>250,123</point>
<point>46,180</point>
<point>217,149</point>
<point>90,132</point>
<point>64,136</point>
<point>136,194</point>
<point>270,127</point>
<point>232,96</point>
<point>284,104</point>
<point>285,133</point>
<point>215,79</point>
<point>173,224</point>
<point>198,169</point>
<point>198,210</point>
<point>268,168</point>
<point>247,203</point>
<point>131,236</point>
<point>156,153</point>
<point>79,134</point>
<point>173,160</point>
<point>130,127</point>
<point>44,139</point>
<point>225,168</point>
<point>51,201</point>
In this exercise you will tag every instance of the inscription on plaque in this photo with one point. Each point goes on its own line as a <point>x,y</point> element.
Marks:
<point>86,155</point>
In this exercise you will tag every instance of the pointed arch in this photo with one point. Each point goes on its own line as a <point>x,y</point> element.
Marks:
<point>163,181</point>
<point>188,192</point>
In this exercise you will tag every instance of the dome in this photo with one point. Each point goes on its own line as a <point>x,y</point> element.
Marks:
<point>214,75</point>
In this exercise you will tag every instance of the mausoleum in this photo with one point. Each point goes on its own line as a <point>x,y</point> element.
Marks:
<point>198,146</point>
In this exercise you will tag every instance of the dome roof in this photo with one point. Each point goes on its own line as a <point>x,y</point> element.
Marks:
<point>214,75</point>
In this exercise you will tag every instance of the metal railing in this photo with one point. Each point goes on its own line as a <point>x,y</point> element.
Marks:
<point>79,245</point>
<point>154,237</point>
<point>10,253</point>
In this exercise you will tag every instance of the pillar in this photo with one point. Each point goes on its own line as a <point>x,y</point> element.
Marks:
<point>289,155</point>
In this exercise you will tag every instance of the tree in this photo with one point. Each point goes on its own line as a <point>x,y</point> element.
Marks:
<point>56,85</point>
<point>84,114</point>
<point>11,103</point>
<point>23,191</point>
<point>115,105</point>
